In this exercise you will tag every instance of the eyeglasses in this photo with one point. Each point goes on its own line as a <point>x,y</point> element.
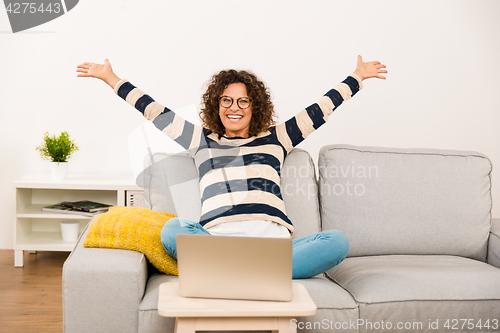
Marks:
<point>243,102</point>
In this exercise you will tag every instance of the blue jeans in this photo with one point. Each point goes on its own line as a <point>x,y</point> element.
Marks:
<point>312,255</point>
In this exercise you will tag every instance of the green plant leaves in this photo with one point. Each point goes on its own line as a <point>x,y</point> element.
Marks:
<point>57,149</point>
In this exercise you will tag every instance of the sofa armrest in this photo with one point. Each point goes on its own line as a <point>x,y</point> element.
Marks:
<point>494,243</point>
<point>102,289</point>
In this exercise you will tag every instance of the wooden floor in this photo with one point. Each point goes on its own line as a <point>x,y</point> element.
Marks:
<point>31,296</point>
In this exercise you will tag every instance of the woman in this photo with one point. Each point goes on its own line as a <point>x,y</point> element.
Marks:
<point>239,154</point>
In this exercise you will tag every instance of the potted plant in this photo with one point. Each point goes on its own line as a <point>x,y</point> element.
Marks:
<point>57,150</point>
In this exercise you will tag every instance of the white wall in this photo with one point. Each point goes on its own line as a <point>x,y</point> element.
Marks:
<point>442,90</point>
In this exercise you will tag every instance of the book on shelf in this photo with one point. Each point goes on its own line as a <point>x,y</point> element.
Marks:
<point>85,207</point>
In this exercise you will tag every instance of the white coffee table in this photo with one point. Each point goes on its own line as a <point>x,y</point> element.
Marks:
<point>205,314</point>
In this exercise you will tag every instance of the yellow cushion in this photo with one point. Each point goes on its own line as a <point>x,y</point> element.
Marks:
<point>133,228</point>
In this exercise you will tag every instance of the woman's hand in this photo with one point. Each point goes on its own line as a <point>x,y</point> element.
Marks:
<point>366,70</point>
<point>98,71</point>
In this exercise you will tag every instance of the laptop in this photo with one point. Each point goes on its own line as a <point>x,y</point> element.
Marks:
<point>232,267</point>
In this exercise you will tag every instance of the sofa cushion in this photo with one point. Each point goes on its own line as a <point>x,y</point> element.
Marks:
<point>407,201</point>
<point>133,228</point>
<point>333,302</point>
<point>300,193</point>
<point>494,243</point>
<point>423,288</point>
<point>149,319</point>
<point>170,183</point>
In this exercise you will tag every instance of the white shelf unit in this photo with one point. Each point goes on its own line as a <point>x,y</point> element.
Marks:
<point>35,230</point>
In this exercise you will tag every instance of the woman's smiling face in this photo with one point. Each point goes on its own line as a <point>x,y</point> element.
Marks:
<point>236,120</point>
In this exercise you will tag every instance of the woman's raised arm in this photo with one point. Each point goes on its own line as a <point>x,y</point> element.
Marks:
<point>296,129</point>
<point>178,129</point>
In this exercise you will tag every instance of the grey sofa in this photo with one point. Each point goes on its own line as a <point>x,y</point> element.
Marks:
<point>424,252</point>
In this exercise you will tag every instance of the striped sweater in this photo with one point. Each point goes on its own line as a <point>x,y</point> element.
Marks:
<point>239,178</point>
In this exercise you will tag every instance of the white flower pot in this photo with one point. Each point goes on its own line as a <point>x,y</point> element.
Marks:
<point>59,170</point>
<point>70,230</point>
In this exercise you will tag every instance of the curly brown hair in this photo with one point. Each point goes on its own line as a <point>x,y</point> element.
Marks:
<point>262,108</point>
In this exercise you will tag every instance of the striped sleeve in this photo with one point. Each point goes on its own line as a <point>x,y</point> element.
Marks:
<point>295,130</point>
<point>177,128</point>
